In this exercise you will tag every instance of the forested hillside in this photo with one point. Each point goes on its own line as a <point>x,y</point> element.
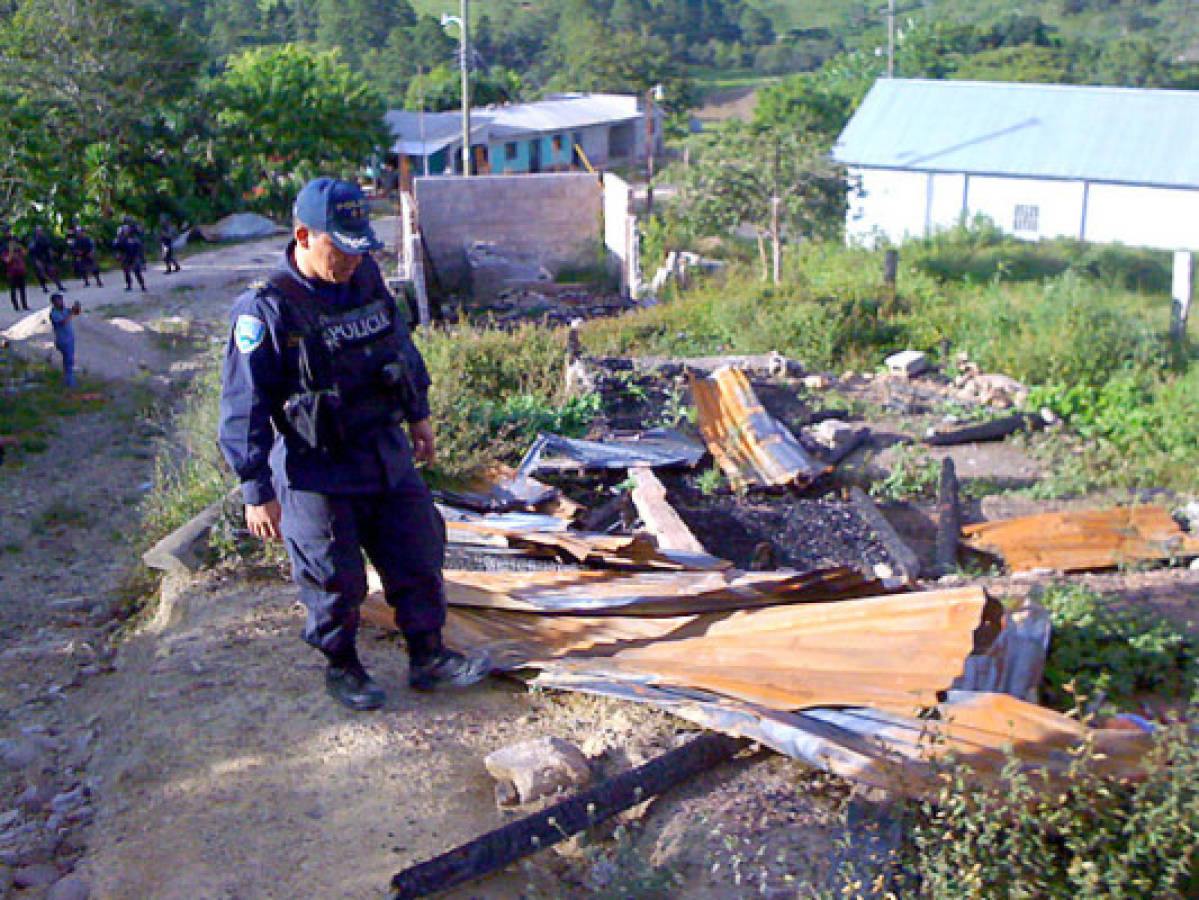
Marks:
<point>192,108</point>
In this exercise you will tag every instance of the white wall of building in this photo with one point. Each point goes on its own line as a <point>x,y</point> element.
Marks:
<point>888,203</point>
<point>1147,217</point>
<point>1027,207</point>
<point>896,204</point>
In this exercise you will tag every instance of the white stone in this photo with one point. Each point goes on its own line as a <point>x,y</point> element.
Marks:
<point>907,362</point>
<point>832,433</point>
<point>538,768</point>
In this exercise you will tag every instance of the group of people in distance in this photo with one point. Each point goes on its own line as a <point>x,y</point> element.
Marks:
<point>41,253</point>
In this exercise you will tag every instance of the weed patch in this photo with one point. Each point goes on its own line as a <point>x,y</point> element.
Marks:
<point>1105,652</point>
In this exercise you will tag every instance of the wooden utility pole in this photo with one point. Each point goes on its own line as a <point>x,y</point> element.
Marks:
<point>890,38</point>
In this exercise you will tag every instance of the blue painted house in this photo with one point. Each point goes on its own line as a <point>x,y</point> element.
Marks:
<point>564,132</point>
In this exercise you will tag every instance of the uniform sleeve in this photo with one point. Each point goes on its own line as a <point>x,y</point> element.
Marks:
<point>251,389</point>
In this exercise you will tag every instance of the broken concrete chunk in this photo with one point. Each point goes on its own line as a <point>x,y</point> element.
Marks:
<point>817,382</point>
<point>908,363</point>
<point>536,769</point>
<point>832,433</point>
<point>183,550</point>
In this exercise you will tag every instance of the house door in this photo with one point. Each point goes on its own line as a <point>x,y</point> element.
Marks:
<point>535,155</point>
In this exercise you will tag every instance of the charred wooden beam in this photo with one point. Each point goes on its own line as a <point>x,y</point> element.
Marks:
<point>660,518</point>
<point>995,430</point>
<point>949,520</point>
<point>901,554</point>
<point>496,849</point>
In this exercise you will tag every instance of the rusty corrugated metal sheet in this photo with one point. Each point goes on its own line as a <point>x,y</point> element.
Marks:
<point>894,652</point>
<point>752,447</point>
<point>888,749</point>
<point>1077,541</point>
<point>595,592</point>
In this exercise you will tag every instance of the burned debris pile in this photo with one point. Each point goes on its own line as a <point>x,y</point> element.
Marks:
<point>699,553</point>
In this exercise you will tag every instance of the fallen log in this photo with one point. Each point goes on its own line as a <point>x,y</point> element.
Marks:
<point>496,849</point>
<point>995,430</point>
<point>949,520</point>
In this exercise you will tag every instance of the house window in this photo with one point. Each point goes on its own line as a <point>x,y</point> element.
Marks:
<point>557,143</point>
<point>510,150</point>
<point>1025,218</point>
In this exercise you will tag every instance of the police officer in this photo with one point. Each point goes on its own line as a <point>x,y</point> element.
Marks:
<point>41,254</point>
<point>128,244</point>
<point>319,374</point>
<point>83,249</point>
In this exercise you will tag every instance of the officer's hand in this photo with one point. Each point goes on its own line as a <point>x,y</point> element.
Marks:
<point>263,521</point>
<point>422,440</point>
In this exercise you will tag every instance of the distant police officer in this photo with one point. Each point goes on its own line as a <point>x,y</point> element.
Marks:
<point>128,245</point>
<point>318,375</point>
<point>41,254</point>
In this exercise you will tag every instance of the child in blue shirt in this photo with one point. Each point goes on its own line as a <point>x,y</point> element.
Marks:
<point>64,334</point>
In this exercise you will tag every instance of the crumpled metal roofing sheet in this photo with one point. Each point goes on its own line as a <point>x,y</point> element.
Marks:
<point>753,448</point>
<point>1088,539</point>
<point>657,447</point>
<point>894,652</point>
<point>592,592</point>
<point>888,749</point>
<point>1106,134</point>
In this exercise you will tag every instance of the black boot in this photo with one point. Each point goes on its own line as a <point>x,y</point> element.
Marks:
<point>348,683</point>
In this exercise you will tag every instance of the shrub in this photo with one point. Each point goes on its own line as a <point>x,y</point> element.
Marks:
<point>1082,835</point>
<point>1104,648</point>
<point>480,377</point>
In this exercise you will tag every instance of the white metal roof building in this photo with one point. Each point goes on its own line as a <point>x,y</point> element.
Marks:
<point>1041,160</point>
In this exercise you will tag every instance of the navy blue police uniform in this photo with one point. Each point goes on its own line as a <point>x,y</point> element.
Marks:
<point>318,379</point>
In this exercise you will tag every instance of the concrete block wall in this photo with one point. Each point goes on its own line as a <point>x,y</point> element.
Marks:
<point>555,217</point>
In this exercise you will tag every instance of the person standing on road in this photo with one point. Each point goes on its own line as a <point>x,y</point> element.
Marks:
<point>84,251</point>
<point>128,245</point>
<point>166,241</point>
<point>319,375</point>
<point>13,258</point>
<point>41,254</point>
<point>64,334</point>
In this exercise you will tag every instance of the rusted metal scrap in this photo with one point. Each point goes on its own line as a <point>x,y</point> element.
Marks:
<point>1089,539</point>
<point>891,652</point>
<point>663,447</point>
<point>753,448</point>
<point>548,533</point>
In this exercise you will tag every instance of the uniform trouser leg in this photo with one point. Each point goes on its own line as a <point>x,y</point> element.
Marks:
<point>325,536</point>
<point>404,538</point>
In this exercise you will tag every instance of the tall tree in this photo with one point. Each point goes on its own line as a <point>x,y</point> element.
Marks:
<point>290,112</point>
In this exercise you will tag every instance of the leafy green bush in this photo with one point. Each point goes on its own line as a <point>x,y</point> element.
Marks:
<point>1103,648</point>
<point>1081,835</point>
<point>483,379</point>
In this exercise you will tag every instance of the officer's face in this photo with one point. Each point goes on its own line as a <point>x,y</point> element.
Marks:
<point>318,257</point>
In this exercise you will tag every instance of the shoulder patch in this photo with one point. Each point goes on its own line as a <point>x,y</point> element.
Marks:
<point>248,333</point>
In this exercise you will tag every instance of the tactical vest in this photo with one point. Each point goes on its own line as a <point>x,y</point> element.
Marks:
<point>352,376</point>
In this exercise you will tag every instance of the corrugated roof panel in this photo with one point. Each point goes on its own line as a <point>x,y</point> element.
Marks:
<point>1126,135</point>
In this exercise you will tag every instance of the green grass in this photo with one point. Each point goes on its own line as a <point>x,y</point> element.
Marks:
<point>34,397</point>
